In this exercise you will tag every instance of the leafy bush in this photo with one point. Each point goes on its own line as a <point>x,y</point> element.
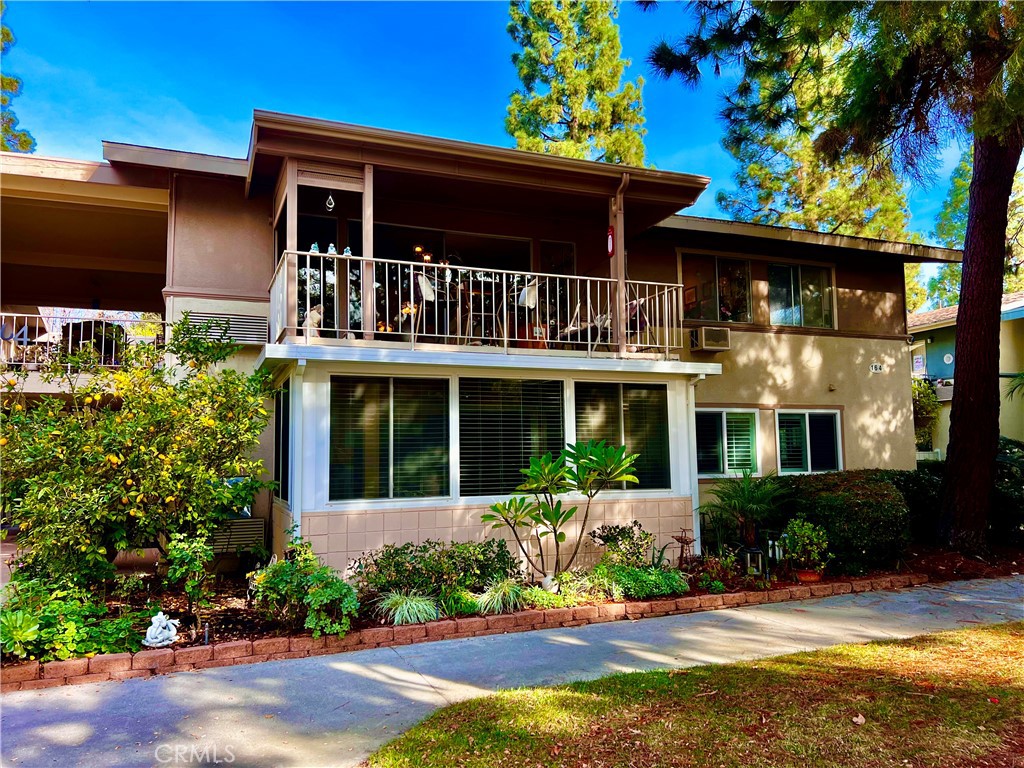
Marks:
<point>188,557</point>
<point>541,599</point>
<point>593,586</point>
<point>456,601</point>
<point>864,516</point>
<point>641,583</point>
<point>502,596</point>
<point>921,489</point>
<point>625,544</point>
<point>68,621</point>
<point>302,592</point>
<point>747,500</point>
<point>435,566</point>
<point>712,585</point>
<point>926,409</point>
<point>134,454</point>
<point>407,608</point>
<point>805,545</point>
<point>708,569</point>
<point>1007,520</point>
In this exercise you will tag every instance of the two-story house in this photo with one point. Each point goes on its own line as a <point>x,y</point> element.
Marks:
<point>437,312</point>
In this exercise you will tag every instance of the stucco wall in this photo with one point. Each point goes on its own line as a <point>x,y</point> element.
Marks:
<point>797,371</point>
<point>220,240</point>
<point>1011,360</point>
<point>340,537</point>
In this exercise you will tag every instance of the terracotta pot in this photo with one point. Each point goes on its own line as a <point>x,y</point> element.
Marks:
<point>806,576</point>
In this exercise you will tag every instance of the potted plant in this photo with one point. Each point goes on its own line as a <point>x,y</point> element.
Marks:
<point>805,546</point>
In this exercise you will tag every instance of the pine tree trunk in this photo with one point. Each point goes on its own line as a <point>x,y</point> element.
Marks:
<point>974,420</point>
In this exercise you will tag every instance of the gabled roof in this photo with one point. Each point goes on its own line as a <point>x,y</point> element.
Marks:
<point>945,316</point>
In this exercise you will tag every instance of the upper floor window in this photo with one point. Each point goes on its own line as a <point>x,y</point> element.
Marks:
<point>716,289</point>
<point>800,295</point>
<point>809,441</point>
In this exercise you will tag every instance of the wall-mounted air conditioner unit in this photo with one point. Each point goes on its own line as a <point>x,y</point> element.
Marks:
<point>710,339</point>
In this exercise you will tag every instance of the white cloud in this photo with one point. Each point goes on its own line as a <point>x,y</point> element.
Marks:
<point>69,113</point>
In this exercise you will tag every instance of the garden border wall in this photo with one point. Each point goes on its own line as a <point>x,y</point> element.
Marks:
<point>33,675</point>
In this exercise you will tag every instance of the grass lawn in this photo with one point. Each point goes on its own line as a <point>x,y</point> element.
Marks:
<point>949,700</point>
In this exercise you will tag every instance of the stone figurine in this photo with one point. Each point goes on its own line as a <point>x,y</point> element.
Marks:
<point>162,631</point>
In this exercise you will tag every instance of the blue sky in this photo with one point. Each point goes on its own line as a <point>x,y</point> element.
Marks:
<point>188,75</point>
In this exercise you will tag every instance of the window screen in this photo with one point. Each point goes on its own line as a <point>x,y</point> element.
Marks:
<point>502,423</point>
<point>634,415</point>
<point>389,438</point>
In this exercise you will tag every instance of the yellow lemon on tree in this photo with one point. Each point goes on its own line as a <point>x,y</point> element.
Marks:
<point>12,382</point>
<point>3,441</point>
<point>129,482</point>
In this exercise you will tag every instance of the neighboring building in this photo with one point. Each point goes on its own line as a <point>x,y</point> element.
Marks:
<point>933,356</point>
<point>498,304</point>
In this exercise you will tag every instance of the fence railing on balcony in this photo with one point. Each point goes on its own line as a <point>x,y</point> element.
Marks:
<point>340,298</point>
<point>32,341</point>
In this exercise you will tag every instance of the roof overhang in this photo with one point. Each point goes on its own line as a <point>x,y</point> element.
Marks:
<point>276,135</point>
<point>906,252</point>
<point>153,157</point>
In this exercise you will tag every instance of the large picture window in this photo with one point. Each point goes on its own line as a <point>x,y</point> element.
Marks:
<point>502,423</point>
<point>800,295</point>
<point>389,438</point>
<point>809,441</point>
<point>634,415</point>
<point>726,442</point>
<point>719,289</point>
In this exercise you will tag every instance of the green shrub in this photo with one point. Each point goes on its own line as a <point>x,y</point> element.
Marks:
<point>625,544</point>
<point>926,409</point>
<point>805,545</point>
<point>541,599</point>
<point>407,608</point>
<point>68,622</point>
<point>302,592</point>
<point>187,558</point>
<point>641,583</point>
<point>864,516</point>
<point>921,489</point>
<point>456,601</point>
<point>502,596</point>
<point>433,566</point>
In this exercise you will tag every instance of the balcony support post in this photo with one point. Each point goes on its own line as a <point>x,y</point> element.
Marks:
<point>291,236</point>
<point>616,222</point>
<point>367,294</point>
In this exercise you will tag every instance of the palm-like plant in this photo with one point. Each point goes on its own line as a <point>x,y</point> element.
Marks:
<point>1016,386</point>
<point>747,500</point>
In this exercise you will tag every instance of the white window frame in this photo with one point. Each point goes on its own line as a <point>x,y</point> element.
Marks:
<point>725,454</point>
<point>805,412</point>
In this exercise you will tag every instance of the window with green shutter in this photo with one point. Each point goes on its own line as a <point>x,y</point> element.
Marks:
<point>726,442</point>
<point>809,441</point>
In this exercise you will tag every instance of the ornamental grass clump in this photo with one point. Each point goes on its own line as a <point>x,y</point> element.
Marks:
<point>502,596</point>
<point>407,608</point>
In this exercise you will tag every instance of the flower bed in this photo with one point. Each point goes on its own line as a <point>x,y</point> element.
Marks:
<point>122,666</point>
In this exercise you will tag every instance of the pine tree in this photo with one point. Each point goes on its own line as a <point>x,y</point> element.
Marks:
<point>12,139</point>
<point>951,228</point>
<point>571,66</point>
<point>909,71</point>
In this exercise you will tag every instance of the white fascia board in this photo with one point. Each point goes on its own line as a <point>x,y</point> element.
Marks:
<point>313,352</point>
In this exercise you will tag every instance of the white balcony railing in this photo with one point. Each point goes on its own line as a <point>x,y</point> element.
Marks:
<point>328,298</point>
<point>32,341</point>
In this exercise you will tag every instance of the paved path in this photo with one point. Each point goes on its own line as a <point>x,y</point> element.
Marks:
<point>335,710</point>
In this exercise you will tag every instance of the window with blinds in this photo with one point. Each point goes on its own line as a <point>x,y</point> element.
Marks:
<point>634,415</point>
<point>282,439</point>
<point>726,442</point>
<point>502,423</point>
<point>389,438</point>
<point>808,442</point>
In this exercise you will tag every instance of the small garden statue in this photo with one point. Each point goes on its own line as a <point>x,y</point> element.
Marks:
<point>162,631</point>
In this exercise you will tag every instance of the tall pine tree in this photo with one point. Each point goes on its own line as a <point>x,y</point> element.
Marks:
<point>951,228</point>
<point>572,102</point>
<point>12,138</point>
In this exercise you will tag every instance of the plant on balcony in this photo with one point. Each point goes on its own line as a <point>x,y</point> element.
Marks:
<point>583,468</point>
<point>132,454</point>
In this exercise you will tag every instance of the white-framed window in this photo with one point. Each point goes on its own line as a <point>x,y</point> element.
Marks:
<point>282,440</point>
<point>726,441</point>
<point>389,438</point>
<point>800,294</point>
<point>808,441</point>
<point>633,415</point>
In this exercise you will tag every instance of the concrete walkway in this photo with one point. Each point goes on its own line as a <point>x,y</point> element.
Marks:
<point>335,710</point>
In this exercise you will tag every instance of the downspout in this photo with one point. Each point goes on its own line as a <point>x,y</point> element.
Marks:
<point>691,428</point>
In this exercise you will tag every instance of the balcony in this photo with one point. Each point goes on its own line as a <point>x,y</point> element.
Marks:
<point>341,299</point>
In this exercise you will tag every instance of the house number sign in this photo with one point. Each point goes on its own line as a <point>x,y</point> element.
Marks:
<point>876,368</point>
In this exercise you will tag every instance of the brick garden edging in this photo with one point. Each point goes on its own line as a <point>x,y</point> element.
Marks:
<point>121,666</point>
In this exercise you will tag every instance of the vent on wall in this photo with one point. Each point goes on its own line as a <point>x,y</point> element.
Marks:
<point>242,329</point>
<point>709,339</point>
